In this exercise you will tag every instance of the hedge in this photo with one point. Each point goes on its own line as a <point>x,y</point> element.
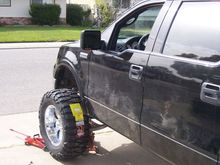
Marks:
<point>45,14</point>
<point>74,14</point>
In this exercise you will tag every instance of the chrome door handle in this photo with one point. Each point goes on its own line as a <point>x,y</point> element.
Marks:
<point>210,93</point>
<point>135,72</point>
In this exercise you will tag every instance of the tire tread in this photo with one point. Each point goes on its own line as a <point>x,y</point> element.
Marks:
<point>72,145</point>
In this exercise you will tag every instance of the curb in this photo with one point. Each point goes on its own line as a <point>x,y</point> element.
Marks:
<point>32,45</point>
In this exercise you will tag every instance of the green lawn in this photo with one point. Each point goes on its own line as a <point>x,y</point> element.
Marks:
<point>39,33</point>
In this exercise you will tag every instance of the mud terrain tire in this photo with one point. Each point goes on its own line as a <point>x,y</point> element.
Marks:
<point>62,141</point>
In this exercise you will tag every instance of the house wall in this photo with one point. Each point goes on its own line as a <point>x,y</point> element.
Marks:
<point>18,12</point>
<point>62,4</point>
<point>18,8</point>
<point>91,3</point>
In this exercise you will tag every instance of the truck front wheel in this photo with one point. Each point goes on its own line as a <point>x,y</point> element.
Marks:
<point>65,133</point>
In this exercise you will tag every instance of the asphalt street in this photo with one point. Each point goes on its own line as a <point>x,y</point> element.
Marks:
<point>25,75</point>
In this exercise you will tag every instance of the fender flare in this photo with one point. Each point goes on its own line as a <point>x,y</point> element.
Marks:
<point>70,67</point>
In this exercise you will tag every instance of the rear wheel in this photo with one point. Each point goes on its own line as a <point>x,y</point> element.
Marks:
<point>65,135</point>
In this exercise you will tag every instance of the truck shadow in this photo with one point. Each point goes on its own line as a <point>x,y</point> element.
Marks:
<point>126,154</point>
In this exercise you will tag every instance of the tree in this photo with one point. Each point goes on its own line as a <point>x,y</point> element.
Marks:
<point>121,3</point>
<point>105,13</point>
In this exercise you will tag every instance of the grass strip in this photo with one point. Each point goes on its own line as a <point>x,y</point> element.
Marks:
<point>39,33</point>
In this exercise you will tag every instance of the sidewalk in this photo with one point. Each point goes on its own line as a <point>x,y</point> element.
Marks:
<point>31,45</point>
<point>114,149</point>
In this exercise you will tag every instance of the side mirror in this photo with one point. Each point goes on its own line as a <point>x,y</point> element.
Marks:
<point>90,39</point>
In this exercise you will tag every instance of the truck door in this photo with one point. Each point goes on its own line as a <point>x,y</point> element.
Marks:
<point>180,117</point>
<point>211,95</point>
<point>115,87</point>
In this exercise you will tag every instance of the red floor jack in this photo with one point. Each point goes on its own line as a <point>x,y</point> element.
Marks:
<point>95,125</point>
<point>92,148</point>
<point>34,141</point>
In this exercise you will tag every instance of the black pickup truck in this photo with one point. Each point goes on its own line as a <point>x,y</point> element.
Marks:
<point>153,75</point>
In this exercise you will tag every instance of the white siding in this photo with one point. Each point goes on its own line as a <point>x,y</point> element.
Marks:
<point>90,3</point>
<point>19,8</point>
<point>62,4</point>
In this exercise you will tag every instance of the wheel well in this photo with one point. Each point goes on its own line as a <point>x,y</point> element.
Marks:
<point>65,79</point>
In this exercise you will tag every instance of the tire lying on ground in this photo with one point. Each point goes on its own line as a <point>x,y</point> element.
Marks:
<point>65,131</point>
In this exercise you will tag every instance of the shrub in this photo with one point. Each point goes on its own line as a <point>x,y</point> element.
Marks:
<point>87,13</point>
<point>106,14</point>
<point>45,14</point>
<point>86,18</point>
<point>77,16</point>
<point>87,23</point>
<point>74,14</point>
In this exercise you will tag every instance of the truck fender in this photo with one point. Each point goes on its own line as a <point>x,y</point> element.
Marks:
<point>66,67</point>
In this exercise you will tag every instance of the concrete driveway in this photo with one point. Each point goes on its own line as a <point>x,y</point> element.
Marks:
<point>114,149</point>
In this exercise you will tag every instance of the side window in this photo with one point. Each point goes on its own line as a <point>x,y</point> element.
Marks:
<point>36,1</point>
<point>195,32</point>
<point>49,1</point>
<point>5,3</point>
<point>133,33</point>
<point>42,1</point>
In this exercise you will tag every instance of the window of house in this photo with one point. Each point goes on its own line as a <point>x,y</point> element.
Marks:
<point>42,1</point>
<point>195,32</point>
<point>48,1</point>
<point>36,1</point>
<point>5,2</point>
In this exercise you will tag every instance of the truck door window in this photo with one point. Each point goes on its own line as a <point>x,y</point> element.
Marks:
<point>195,32</point>
<point>133,33</point>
